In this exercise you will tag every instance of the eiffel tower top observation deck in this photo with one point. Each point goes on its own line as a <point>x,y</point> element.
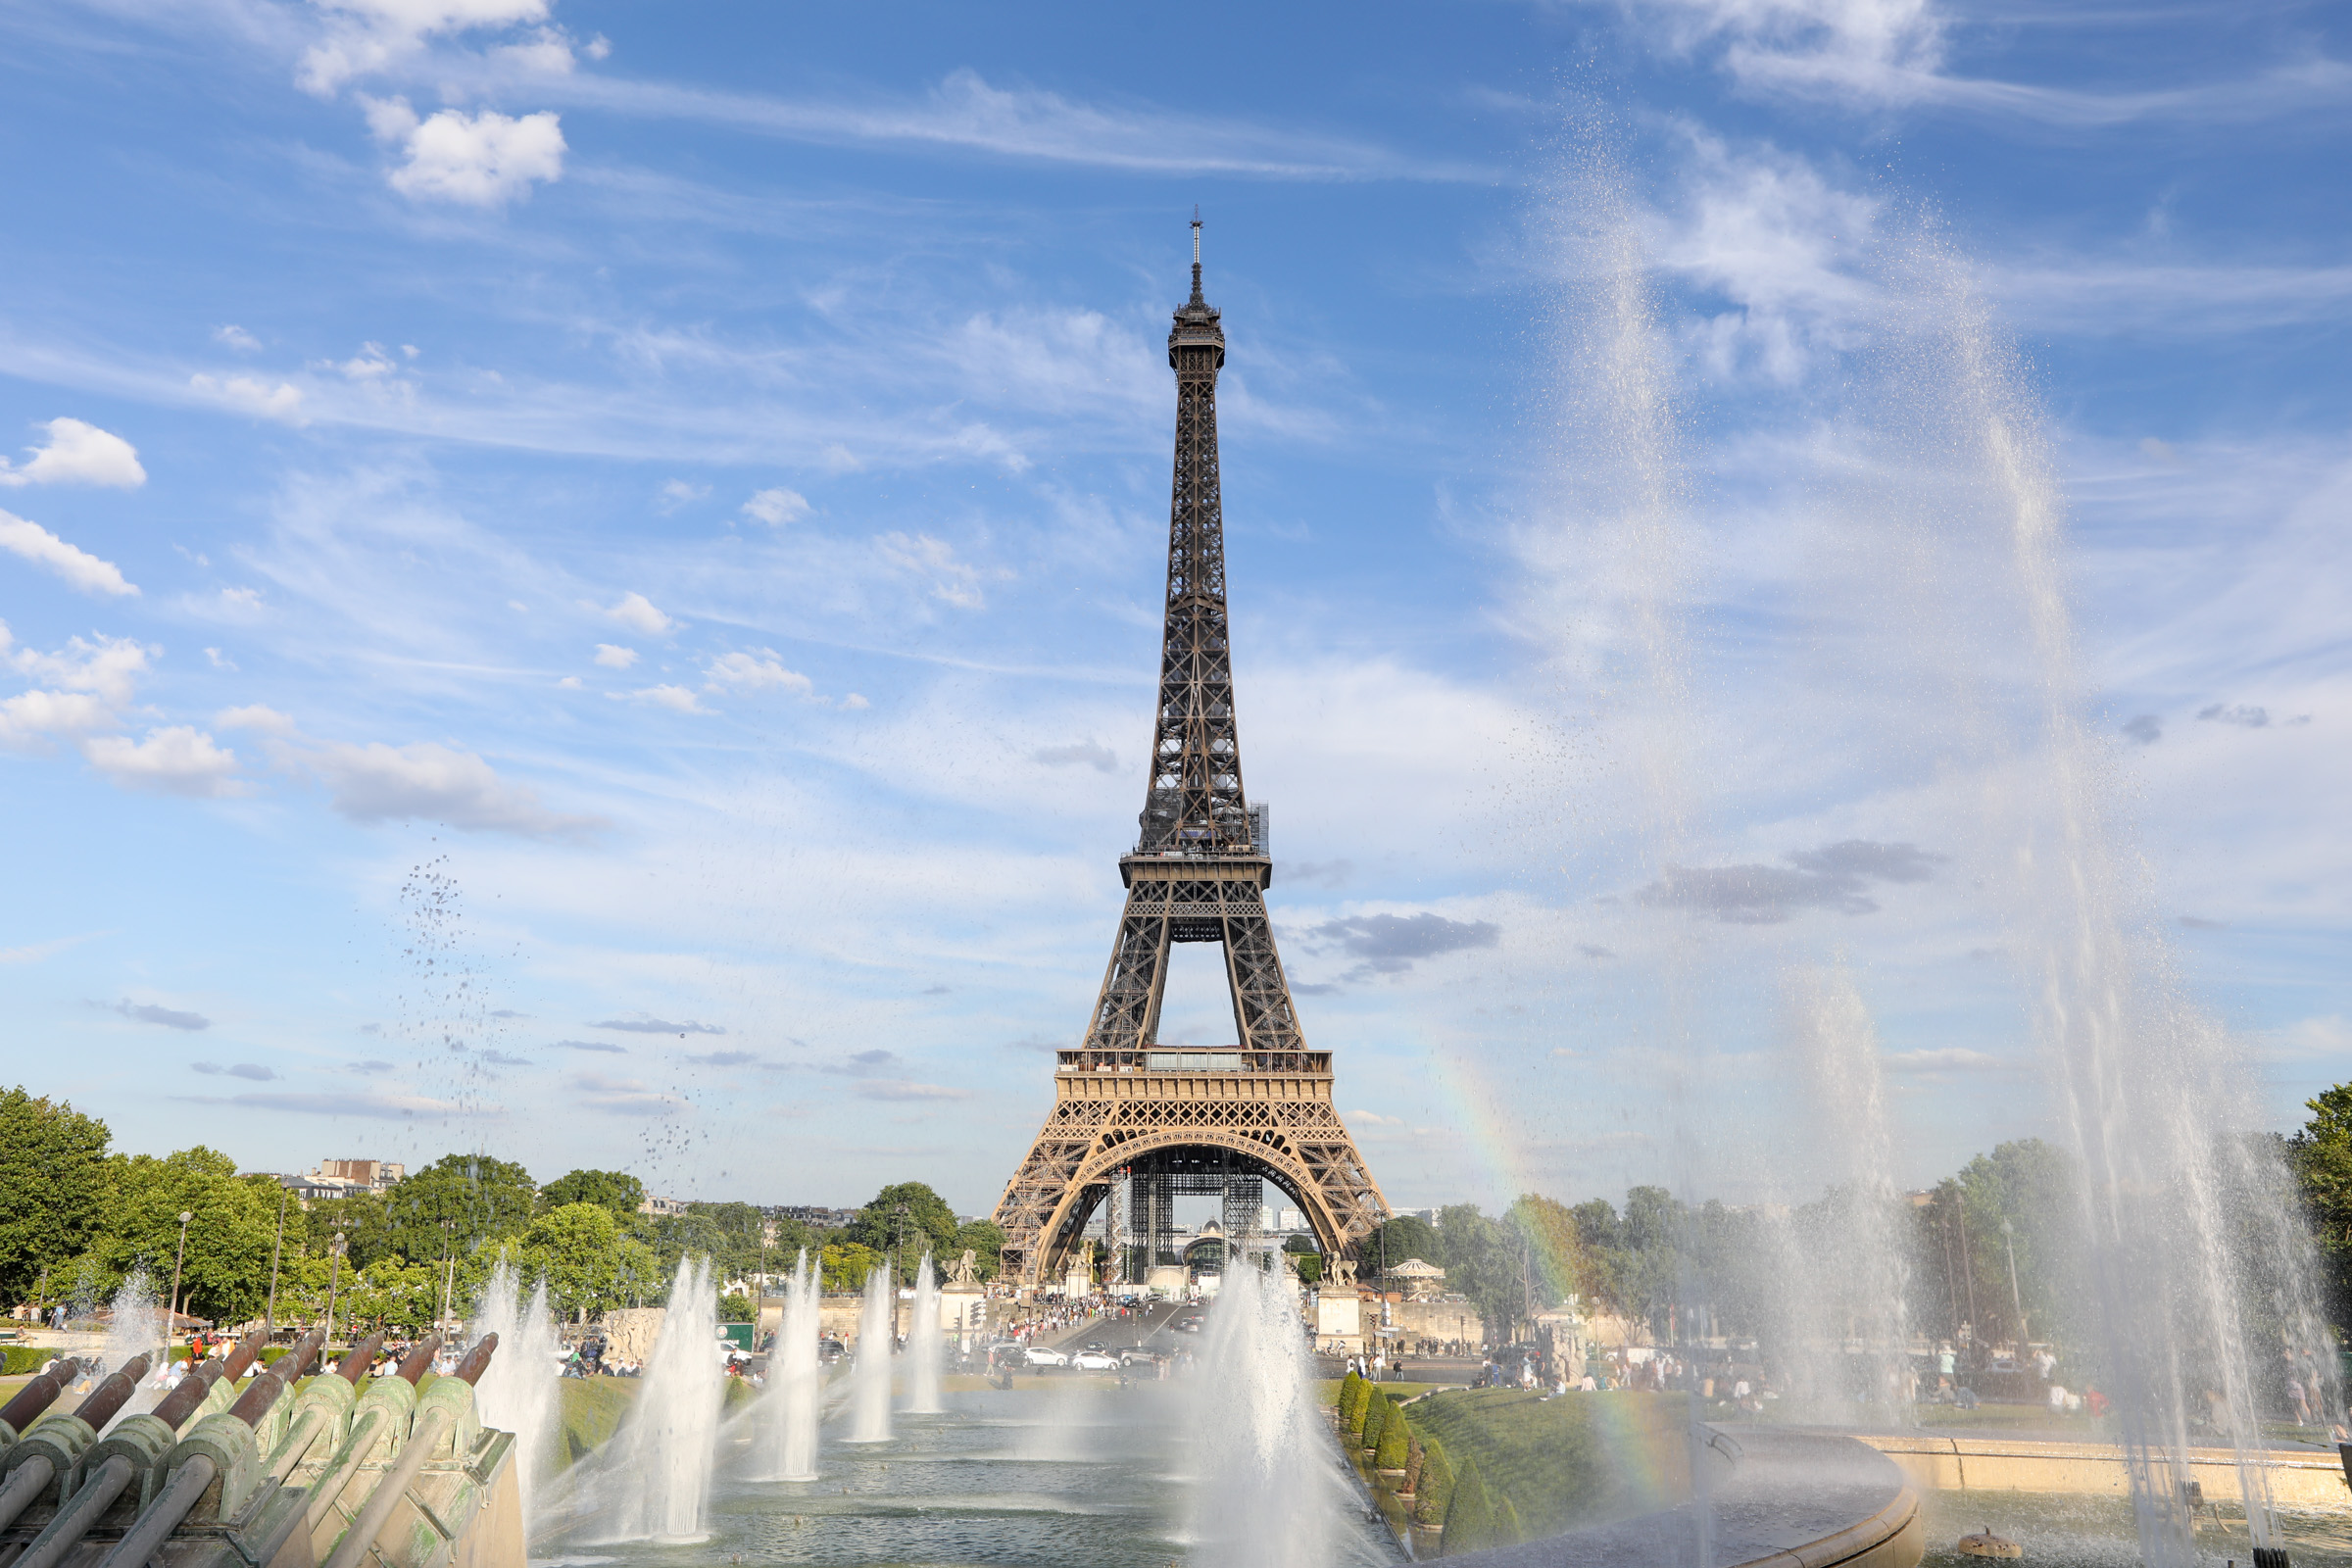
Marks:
<point>1219,1120</point>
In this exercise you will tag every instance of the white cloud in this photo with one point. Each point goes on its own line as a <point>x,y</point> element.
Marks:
<point>776,507</point>
<point>220,660</point>
<point>921,556</point>
<point>678,698</point>
<point>78,453</point>
<point>483,160</point>
<point>266,721</point>
<point>176,760</point>
<point>570,683</point>
<point>368,36</point>
<point>855,702</point>
<point>678,493</point>
<point>108,669</point>
<point>371,364</point>
<point>44,549</point>
<point>636,612</point>
<point>379,783</point>
<point>243,603</point>
<point>613,656</point>
<point>236,337</point>
<point>242,392</point>
<point>746,672</point>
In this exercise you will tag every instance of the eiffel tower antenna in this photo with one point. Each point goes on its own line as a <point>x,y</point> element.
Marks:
<point>1219,1121</point>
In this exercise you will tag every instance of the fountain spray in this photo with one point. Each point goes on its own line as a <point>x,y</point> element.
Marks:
<point>663,1458</point>
<point>795,1380</point>
<point>869,1380</point>
<point>924,1346</point>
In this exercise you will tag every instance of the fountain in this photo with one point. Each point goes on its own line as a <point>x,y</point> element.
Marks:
<point>663,1457</point>
<point>795,1381</point>
<point>1269,1488</point>
<point>520,1390</point>
<point>135,1327</point>
<point>925,1345</point>
<point>869,1378</point>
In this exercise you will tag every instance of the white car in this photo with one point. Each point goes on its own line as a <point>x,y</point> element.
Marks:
<point>1044,1355</point>
<point>1095,1361</point>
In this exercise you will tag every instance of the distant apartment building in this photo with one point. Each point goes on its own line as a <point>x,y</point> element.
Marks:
<point>375,1175</point>
<point>823,1219</point>
<point>343,1178</point>
<point>650,1205</point>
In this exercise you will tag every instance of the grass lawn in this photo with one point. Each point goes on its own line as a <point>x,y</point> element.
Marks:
<point>1569,1461</point>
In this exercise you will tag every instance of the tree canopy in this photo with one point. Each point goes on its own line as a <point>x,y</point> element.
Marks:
<point>52,1189</point>
<point>617,1191</point>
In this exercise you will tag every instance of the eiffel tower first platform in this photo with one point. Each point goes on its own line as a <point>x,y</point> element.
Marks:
<point>1163,1121</point>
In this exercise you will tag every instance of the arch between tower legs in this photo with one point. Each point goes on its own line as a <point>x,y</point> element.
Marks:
<point>1057,1237</point>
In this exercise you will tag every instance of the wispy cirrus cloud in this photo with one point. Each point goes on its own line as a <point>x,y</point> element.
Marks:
<point>966,113</point>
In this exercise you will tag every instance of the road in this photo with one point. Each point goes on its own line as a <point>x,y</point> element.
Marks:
<point>1151,1328</point>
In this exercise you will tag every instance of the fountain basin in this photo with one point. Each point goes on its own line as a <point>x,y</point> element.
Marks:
<point>2297,1478</point>
<point>1781,1500</point>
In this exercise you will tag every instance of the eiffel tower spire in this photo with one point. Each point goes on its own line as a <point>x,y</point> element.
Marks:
<point>1195,802</point>
<point>1221,1119</point>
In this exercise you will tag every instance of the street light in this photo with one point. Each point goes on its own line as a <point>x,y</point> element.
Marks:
<point>181,1258</point>
<point>270,1312</point>
<point>334,1278</point>
<point>2008,1233</point>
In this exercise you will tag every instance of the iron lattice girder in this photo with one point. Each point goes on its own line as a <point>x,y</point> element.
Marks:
<point>1198,874</point>
<point>1299,1146</point>
<point>1168,905</point>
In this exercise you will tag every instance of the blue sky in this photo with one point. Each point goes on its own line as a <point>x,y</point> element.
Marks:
<point>580,580</point>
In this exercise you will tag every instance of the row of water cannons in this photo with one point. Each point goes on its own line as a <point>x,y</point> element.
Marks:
<point>336,1476</point>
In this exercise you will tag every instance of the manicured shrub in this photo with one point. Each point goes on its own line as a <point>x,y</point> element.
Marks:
<point>1415,1457</point>
<point>1351,1404</point>
<point>1375,1419</point>
<point>1436,1488</point>
<point>1472,1520</point>
<point>1396,1438</point>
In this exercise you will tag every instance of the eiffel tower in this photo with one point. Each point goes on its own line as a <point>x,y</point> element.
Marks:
<point>1167,1121</point>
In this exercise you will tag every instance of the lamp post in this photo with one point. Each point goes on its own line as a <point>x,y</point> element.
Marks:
<point>270,1312</point>
<point>334,1278</point>
<point>179,1258</point>
<point>898,1234</point>
<point>2008,1241</point>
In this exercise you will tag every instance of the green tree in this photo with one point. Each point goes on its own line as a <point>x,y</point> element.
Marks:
<point>2031,1184</point>
<point>928,1225</point>
<point>2320,1157</point>
<point>1394,1240</point>
<point>391,1295</point>
<point>1378,1412</point>
<point>985,1241</point>
<point>736,1307</point>
<point>1483,1262</point>
<point>454,1206</point>
<point>1351,1393</point>
<point>360,1219</point>
<point>613,1190</point>
<point>53,1187</point>
<point>844,1266</point>
<point>225,1277</point>
<point>672,1237</point>
<point>591,1265</point>
<point>1306,1259</point>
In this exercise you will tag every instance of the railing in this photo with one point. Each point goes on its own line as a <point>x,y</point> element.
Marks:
<point>1181,1060</point>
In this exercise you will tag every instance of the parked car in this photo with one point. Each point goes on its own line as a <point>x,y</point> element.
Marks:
<point>1044,1355</point>
<point>1095,1361</point>
<point>830,1350</point>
